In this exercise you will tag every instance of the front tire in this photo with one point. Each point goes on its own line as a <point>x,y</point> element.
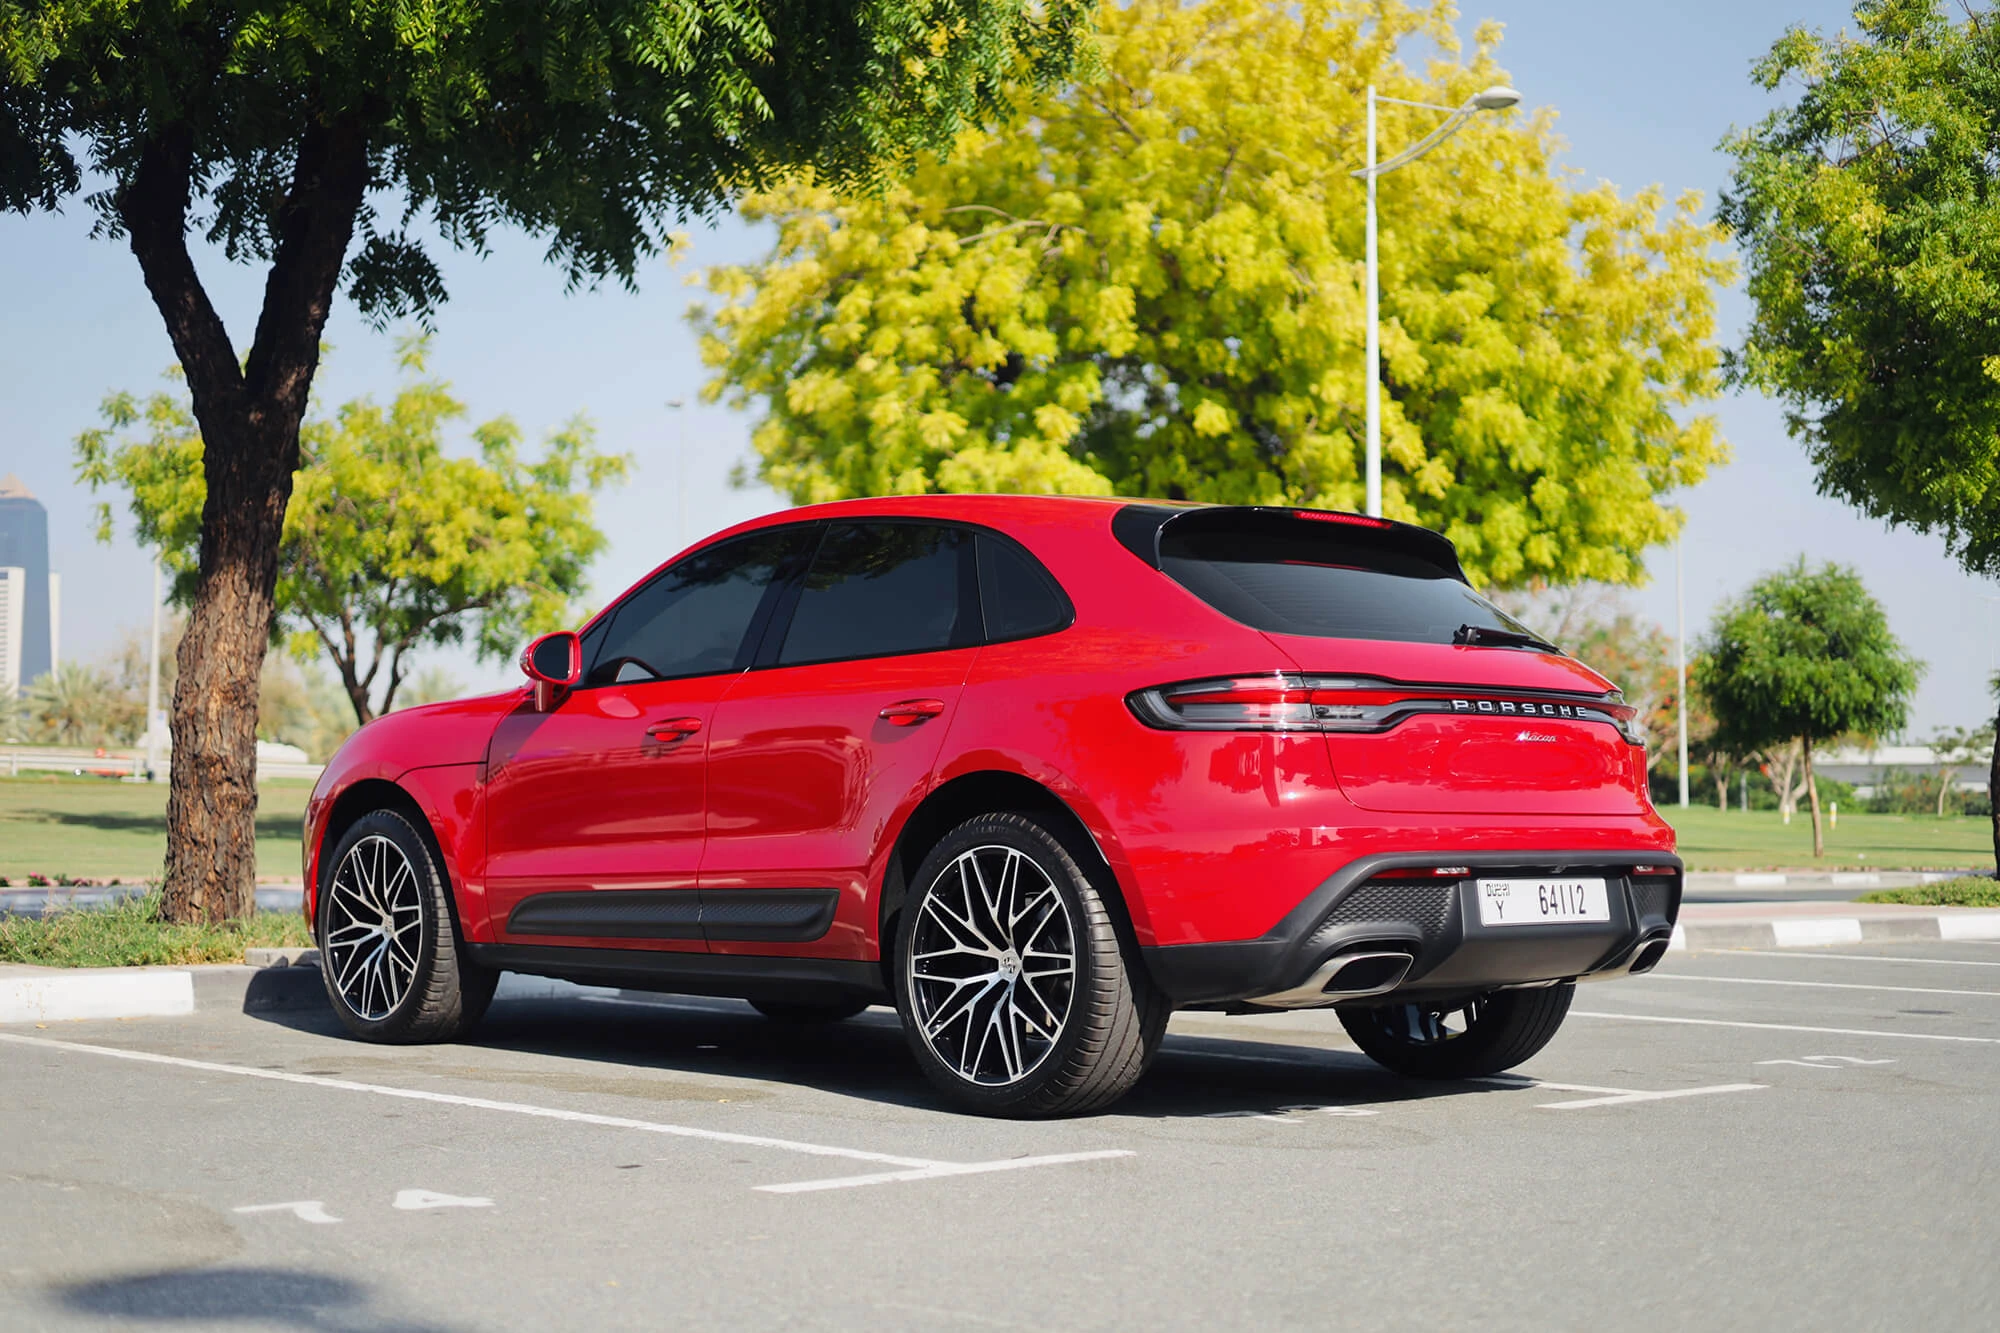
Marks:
<point>1019,991</point>
<point>390,954</point>
<point>1462,1038</point>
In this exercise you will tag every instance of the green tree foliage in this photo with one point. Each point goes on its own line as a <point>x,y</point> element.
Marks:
<point>1152,284</point>
<point>332,144</point>
<point>391,545</point>
<point>1805,655</point>
<point>1867,211</point>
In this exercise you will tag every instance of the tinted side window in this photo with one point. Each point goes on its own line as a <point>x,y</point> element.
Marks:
<point>691,620</point>
<point>1016,595</point>
<point>876,589</point>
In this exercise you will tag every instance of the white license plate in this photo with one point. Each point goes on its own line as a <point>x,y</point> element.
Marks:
<point>1539,902</point>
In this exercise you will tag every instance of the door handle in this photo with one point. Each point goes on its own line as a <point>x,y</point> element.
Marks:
<point>673,728</point>
<point>910,712</point>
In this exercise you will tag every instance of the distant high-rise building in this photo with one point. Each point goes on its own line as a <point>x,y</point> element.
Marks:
<point>24,545</point>
<point>13,583</point>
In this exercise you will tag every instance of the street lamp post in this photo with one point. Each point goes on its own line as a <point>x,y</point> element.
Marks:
<point>1496,98</point>
<point>1681,663</point>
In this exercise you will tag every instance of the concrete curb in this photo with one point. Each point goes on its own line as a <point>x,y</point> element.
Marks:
<point>1807,932</point>
<point>54,995</point>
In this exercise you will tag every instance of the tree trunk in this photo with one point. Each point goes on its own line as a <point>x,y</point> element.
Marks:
<point>249,416</point>
<point>1721,776</point>
<point>1812,795</point>
<point>211,870</point>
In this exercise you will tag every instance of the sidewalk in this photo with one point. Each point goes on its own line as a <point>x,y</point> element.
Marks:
<point>1802,925</point>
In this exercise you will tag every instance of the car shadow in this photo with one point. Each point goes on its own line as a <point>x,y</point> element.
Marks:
<point>206,1297</point>
<point>868,1058</point>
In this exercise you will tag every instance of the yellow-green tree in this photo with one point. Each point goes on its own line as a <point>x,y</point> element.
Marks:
<point>1152,283</point>
<point>390,544</point>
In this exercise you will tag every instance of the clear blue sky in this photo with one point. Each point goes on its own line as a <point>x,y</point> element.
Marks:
<point>1644,93</point>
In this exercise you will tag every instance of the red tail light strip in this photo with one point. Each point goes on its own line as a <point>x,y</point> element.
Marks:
<point>1286,702</point>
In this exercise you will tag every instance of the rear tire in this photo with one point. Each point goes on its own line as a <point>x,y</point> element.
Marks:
<point>390,953</point>
<point>780,1012</point>
<point>1464,1039</point>
<point>1021,990</point>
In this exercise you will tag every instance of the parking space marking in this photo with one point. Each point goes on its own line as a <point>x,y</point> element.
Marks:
<point>1827,1062</point>
<point>1860,957</point>
<point>914,1168</point>
<point>1821,985</point>
<point>481,1103</point>
<point>411,1201</point>
<point>1607,1096</point>
<point>1626,1098</point>
<point>306,1210</point>
<point>937,1170</point>
<point>1784,1027</point>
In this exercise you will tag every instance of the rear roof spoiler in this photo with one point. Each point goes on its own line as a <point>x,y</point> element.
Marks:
<point>1140,528</point>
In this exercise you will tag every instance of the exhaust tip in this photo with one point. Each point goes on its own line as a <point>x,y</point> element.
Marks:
<point>1648,958</point>
<point>1367,973</point>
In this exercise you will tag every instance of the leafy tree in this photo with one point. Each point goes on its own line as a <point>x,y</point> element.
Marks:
<point>1805,655</point>
<point>1953,746</point>
<point>1152,283</point>
<point>1867,212</point>
<point>390,545</point>
<point>326,142</point>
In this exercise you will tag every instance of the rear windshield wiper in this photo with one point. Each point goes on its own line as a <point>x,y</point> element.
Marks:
<point>1478,635</point>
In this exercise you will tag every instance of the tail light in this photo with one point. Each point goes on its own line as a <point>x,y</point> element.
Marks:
<point>1286,702</point>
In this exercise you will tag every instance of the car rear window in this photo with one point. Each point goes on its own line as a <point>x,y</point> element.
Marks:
<point>879,589</point>
<point>1295,576</point>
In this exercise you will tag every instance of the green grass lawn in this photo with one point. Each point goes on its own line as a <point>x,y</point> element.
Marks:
<point>1712,839</point>
<point>97,828</point>
<point>101,828</point>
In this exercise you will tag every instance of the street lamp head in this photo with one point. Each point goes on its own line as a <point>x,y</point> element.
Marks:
<point>1497,98</point>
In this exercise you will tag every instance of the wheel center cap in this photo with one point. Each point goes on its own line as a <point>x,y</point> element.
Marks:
<point>1010,965</point>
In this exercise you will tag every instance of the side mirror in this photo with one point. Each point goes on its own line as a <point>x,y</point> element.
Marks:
<point>554,663</point>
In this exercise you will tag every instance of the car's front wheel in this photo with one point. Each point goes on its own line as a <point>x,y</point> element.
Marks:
<point>394,966</point>
<point>1460,1038</point>
<point>1019,991</point>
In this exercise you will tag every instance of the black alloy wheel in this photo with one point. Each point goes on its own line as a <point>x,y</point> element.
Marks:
<point>1020,990</point>
<point>390,954</point>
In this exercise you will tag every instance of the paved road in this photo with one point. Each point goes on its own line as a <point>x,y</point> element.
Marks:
<point>1801,1139</point>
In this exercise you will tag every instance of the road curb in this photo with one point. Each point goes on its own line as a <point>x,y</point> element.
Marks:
<point>1809,932</point>
<point>55,995</point>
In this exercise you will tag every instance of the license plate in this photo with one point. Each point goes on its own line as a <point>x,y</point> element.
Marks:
<point>1539,902</point>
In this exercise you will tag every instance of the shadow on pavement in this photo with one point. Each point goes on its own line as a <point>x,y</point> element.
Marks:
<point>208,1296</point>
<point>867,1057</point>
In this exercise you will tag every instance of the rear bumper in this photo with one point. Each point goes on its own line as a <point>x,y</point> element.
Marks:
<point>1436,921</point>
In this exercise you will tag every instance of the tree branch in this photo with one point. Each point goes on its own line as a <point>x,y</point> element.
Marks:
<point>153,205</point>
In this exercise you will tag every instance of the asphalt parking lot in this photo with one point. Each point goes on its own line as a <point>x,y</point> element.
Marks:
<point>1801,1138</point>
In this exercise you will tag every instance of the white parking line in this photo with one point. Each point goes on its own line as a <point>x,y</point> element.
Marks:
<point>1783,1027</point>
<point>939,1169</point>
<point>1820,985</point>
<point>915,1168</point>
<point>1859,957</point>
<point>1611,1096</point>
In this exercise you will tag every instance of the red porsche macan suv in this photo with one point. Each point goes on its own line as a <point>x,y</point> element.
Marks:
<point>1037,771</point>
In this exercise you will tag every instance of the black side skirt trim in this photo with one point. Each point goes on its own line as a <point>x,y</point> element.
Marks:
<point>739,976</point>
<point>770,916</point>
<point>663,914</point>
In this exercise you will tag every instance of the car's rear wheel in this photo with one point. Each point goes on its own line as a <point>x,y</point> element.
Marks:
<point>1020,989</point>
<point>389,948</point>
<point>779,1011</point>
<point>1461,1038</point>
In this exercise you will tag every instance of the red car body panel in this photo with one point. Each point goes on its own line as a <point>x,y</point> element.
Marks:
<point>1211,836</point>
